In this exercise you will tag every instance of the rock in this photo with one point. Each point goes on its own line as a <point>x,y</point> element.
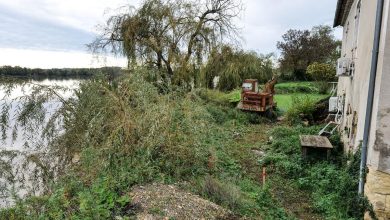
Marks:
<point>76,158</point>
<point>236,135</point>
<point>270,139</point>
<point>258,152</point>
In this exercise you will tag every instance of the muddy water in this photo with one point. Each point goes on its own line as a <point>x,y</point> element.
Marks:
<point>20,149</point>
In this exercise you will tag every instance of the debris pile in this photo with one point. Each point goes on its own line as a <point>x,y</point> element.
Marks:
<point>158,201</point>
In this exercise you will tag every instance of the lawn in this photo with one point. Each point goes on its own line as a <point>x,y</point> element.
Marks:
<point>284,101</point>
<point>296,87</point>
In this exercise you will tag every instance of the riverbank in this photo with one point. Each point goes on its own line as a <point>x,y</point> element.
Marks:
<point>127,134</point>
<point>57,73</point>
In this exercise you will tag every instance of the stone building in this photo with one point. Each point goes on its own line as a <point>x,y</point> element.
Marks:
<point>364,92</point>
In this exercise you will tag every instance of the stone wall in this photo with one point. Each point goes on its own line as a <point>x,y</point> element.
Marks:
<point>377,189</point>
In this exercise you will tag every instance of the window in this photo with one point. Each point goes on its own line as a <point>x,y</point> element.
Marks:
<point>247,86</point>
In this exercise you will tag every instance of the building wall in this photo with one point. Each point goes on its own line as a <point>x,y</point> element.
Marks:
<point>357,45</point>
<point>355,90</point>
<point>379,153</point>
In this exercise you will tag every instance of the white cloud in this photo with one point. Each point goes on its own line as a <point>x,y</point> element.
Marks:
<point>265,21</point>
<point>81,14</point>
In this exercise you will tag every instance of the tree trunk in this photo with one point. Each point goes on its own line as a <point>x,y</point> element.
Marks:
<point>169,70</point>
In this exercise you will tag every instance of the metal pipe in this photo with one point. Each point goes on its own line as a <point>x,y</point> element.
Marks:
<point>371,90</point>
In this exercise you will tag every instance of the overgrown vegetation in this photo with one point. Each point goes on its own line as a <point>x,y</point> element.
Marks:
<point>302,107</point>
<point>126,133</point>
<point>331,184</point>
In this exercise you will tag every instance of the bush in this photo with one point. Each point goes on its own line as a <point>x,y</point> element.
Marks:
<point>302,108</point>
<point>222,193</point>
<point>322,73</point>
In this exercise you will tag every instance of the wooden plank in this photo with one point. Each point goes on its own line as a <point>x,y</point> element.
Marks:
<point>315,141</point>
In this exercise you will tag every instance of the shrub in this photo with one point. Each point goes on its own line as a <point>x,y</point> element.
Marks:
<point>302,108</point>
<point>222,193</point>
<point>322,73</point>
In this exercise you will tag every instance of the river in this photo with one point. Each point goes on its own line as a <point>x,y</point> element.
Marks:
<point>23,148</point>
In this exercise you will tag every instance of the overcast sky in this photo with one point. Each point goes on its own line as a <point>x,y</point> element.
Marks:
<point>53,33</point>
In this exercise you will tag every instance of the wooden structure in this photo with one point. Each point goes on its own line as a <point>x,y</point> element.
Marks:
<point>315,143</point>
<point>253,100</point>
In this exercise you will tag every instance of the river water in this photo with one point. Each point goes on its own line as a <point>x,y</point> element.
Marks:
<point>22,148</point>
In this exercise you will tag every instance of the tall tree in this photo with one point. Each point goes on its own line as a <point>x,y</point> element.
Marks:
<point>170,35</point>
<point>300,48</point>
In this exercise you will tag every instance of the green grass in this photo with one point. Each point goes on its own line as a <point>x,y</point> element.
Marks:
<point>284,101</point>
<point>330,184</point>
<point>296,87</point>
<point>219,97</point>
<point>295,84</point>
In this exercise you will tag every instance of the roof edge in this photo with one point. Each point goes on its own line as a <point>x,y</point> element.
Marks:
<point>338,15</point>
<point>342,12</point>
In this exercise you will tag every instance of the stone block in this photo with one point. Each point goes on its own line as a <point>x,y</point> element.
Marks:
<point>377,190</point>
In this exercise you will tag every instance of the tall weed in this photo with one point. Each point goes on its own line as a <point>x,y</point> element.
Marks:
<point>302,108</point>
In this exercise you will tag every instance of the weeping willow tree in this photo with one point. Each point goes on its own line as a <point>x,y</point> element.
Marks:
<point>232,66</point>
<point>115,134</point>
<point>32,118</point>
<point>173,36</point>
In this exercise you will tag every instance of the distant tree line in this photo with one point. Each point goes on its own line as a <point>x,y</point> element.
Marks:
<point>57,73</point>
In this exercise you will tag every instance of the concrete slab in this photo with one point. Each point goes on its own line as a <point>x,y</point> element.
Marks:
<point>315,141</point>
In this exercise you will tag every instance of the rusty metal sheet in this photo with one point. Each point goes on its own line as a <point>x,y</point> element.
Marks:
<point>315,141</point>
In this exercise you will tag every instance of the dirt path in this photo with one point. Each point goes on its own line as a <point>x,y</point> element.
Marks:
<point>295,201</point>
